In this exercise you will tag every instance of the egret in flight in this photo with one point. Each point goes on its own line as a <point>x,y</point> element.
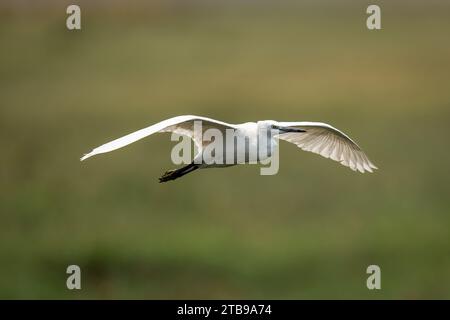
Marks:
<point>316,137</point>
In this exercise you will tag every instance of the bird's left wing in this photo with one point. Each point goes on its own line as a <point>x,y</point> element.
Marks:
<point>183,125</point>
<point>329,142</point>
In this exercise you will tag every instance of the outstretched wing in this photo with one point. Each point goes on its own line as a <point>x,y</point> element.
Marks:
<point>183,125</point>
<point>329,142</point>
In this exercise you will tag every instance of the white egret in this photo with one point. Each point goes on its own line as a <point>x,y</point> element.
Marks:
<point>316,137</point>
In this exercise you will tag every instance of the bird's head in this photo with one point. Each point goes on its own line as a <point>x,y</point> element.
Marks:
<point>275,128</point>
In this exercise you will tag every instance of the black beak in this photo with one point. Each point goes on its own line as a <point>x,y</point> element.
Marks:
<point>287,129</point>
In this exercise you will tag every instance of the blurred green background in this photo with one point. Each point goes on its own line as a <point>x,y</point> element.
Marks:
<point>308,232</point>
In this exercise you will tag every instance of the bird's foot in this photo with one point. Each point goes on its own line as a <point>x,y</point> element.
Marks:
<point>167,176</point>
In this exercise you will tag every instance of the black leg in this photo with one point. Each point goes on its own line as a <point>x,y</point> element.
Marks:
<point>174,174</point>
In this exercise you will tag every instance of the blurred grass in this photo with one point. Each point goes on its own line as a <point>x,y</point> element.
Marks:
<point>308,232</point>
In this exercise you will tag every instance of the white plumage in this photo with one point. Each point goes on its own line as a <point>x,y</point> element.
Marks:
<point>329,142</point>
<point>316,137</point>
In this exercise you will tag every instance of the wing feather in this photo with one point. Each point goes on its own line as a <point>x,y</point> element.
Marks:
<point>329,142</point>
<point>183,125</point>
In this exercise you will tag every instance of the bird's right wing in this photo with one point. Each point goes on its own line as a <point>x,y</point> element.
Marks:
<point>183,125</point>
<point>329,142</point>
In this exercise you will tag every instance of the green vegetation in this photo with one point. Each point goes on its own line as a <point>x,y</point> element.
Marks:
<point>308,232</point>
